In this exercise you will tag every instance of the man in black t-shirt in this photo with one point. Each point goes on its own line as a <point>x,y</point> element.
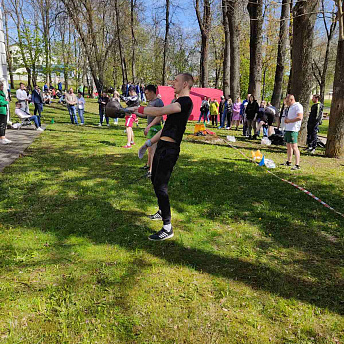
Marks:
<point>168,148</point>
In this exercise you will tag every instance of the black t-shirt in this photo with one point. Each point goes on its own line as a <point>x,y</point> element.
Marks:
<point>175,124</point>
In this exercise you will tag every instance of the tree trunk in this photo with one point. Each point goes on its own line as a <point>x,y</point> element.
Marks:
<point>226,54</point>
<point>120,47</point>
<point>281,55</point>
<point>255,9</point>
<point>335,134</point>
<point>167,32</point>
<point>133,41</point>
<point>291,46</point>
<point>305,13</point>
<point>204,25</point>
<point>234,32</point>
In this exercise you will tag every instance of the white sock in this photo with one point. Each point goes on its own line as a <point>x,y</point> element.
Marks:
<point>167,227</point>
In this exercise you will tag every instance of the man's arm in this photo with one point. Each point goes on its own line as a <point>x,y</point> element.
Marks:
<point>157,111</point>
<point>299,117</point>
<point>155,121</point>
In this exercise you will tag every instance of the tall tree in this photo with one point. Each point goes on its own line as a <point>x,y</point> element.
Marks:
<point>304,13</point>
<point>335,134</point>
<point>133,39</point>
<point>281,54</point>
<point>226,52</point>
<point>91,21</point>
<point>255,10</point>
<point>166,41</point>
<point>234,12</point>
<point>204,22</point>
<point>319,71</point>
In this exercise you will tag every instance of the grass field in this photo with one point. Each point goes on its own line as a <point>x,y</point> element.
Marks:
<point>253,259</point>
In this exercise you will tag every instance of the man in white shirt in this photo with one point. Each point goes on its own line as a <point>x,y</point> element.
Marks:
<point>292,127</point>
<point>23,98</point>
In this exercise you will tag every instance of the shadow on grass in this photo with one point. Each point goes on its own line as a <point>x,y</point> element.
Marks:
<point>90,203</point>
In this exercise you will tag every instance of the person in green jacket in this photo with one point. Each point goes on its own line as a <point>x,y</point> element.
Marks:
<point>3,116</point>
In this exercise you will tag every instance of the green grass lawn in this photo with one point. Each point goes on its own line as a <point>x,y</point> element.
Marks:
<point>253,259</point>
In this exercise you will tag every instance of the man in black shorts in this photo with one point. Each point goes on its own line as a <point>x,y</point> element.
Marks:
<point>168,147</point>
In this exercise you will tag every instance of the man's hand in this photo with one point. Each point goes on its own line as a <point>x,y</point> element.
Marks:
<point>146,131</point>
<point>286,120</point>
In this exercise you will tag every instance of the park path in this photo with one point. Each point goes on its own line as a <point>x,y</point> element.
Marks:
<point>21,139</point>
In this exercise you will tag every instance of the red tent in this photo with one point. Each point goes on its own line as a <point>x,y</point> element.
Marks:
<point>197,94</point>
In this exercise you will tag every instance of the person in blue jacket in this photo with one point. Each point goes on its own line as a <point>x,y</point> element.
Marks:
<point>37,100</point>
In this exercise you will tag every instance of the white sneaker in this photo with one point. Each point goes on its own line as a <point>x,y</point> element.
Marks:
<point>40,129</point>
<point>5,141</point>
<point>108,124</point>
<point>81,124</point>
<point>312,151</point>
<point>99,125</point>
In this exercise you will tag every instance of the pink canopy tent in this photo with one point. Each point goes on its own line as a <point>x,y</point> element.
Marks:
<point>197,94</point>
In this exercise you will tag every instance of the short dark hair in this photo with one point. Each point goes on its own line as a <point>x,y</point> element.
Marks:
<point>316,96</point>
<point>188,78</point>
<point>21,83</point>
<point>150,88</point>
<point>17,103</point>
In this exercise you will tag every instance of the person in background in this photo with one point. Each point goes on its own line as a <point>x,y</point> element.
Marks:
<point>270,111</point>
<point>23,98</point>
<point>153,124</point>
<point>71,101</point>
<point>221,107</point>
<point>81,107</point>
<point>3,116</point>
<point>313,123</point>
<point>45,87</point>
<point>292,127</point>
<point>229,113</point>
<point>214,111</point>
<point>37,100</point>
<point>204,110</point>
<point>283,115</point>
<point>59,86</point>
<point>243,115</point>
<point>22,114</point>
<point>102,101</point>
<point>251,111</point>
<point>261,120</point>
<point>236,114</point>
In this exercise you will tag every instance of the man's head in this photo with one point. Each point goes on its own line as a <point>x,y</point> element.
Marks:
<point>79,94</point>
<point>150,92</point>
<point>290,100</point>
<point>315,98</point>
<point>205,98</point>
<point>18,105</point>
<point>263,103</point>
<point>71,90</point>
<point>22,86</point>
<point>183,81</point>
<point>36,87</point>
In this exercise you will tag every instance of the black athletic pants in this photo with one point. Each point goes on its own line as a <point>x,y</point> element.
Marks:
<point>3,124</point>
<point>165,157</point>
<point>312,136</point>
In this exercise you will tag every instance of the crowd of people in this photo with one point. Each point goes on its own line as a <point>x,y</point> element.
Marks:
<point>261,119</point>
